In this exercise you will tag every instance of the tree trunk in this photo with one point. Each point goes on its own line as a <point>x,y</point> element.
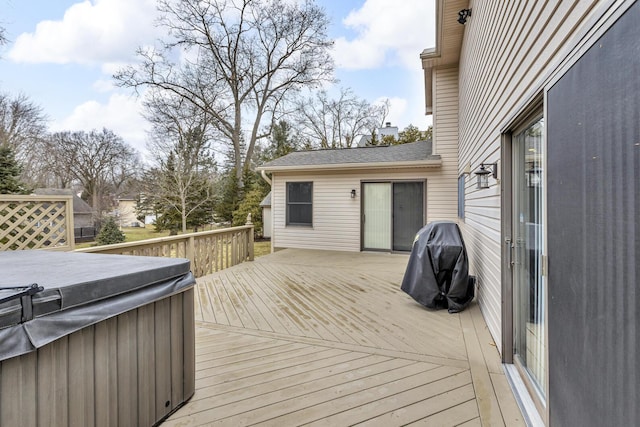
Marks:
<point>184,215</point>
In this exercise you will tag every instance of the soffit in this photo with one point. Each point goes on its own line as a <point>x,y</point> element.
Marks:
<point>449,35</point>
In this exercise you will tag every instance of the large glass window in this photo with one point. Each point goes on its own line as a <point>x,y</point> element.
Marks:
<point>300,203</point>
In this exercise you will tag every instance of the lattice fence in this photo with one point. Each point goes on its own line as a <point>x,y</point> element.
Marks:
<point>36,222</point>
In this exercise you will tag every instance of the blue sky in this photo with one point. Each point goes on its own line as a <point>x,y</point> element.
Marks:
<point>62,54</point>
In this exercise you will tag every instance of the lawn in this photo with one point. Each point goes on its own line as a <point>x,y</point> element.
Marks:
<point>132,234</point>
<point>261,248</point>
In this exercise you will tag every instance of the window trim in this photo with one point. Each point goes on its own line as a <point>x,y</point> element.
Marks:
<point>287,204</point>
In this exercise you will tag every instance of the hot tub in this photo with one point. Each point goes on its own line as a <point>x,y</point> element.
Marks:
<point>102,340</point>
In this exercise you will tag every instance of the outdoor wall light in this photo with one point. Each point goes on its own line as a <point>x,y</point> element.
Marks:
<point>534,177</point>
<point>353,193</point>
<point>483,174</point>
<point>463,15</point>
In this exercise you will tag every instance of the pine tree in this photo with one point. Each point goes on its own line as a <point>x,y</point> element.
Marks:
<point>251,204</point>
<point>229,197</point>
<point>9,173</point>
<point>110,233</point>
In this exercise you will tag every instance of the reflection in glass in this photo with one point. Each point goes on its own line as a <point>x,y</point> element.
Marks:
<point>528,279</point>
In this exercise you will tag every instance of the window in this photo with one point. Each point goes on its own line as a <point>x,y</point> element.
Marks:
<point>461,183</point>
<point>300,203</point>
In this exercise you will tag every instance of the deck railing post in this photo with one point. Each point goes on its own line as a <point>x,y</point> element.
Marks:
<point>191,252</point>
<point>249,238</point>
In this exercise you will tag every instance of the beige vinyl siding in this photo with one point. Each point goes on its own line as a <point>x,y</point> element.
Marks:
<point>266,221</point>
<point>508,49</point>
<point>445,142</point>
<point>336,216</point>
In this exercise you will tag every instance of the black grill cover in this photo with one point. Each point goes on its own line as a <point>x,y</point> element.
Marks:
<point>437,275</point>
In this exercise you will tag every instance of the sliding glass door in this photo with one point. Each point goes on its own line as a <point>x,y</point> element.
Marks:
<point>529,281</point>
<point>392,213</point>
<point>377,215</point>
<point>408,215</point>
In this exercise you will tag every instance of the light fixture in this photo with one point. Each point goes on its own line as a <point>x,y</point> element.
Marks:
<point>534,177</point>
<point>353,193</point>
<point>483,174</point>
<point>463,15</point>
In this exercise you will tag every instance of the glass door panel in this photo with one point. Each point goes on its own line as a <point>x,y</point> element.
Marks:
<point>408,213</point>
<point>377,215</point>
<point>528,280</point>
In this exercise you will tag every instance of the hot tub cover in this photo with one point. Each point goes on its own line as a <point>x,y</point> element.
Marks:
<point>437,275</point>
<point>80,289</point>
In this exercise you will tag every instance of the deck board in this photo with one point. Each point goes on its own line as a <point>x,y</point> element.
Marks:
<point>327,338</point>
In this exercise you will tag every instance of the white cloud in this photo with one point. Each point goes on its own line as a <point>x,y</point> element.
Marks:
<point>387,33</point>
<point>90,32</point>
<point>103,85</point>
<point>120,114</point>
<point>410,109</point>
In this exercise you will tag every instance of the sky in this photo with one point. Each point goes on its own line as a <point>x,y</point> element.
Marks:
<point>62,54</point>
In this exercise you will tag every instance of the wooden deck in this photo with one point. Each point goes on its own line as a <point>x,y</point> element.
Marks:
<point>327,338</point>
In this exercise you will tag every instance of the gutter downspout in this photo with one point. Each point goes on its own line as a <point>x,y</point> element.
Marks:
<point>264,176</point>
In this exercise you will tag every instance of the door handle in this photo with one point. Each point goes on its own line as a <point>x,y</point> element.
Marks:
<point>509,253</point>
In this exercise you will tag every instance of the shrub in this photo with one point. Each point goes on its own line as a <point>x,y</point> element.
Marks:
<point>110,233</point>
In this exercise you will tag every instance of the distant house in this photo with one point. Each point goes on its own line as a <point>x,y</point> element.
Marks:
<point>125,214</point>
<point>370,198</point>
<point>387,130</point>
<point>83,214</point>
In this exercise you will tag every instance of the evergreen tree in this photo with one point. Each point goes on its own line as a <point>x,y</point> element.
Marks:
<point>251,204</point>
<point>412,134</point>
<point>281,142</point>
<point>179,189</point>
<point>9,173</point>
<point>110,233</point>
<point>229,197</point>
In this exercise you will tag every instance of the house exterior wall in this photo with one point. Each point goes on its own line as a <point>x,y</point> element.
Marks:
<point>127,213</point>
<point>445,141</point>
<point>266,221</point>
<point>509,50</point>
<point>336,216</point>
<point>82,220</point>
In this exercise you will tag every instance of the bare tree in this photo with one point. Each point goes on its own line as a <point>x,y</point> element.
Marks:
<point>23,129</point>
<point>100,161</point>
<point>180,181</point>
<point>243,59</point>
<point>336,123</point>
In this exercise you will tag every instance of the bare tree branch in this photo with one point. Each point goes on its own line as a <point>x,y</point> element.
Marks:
<point>336,123</point>
<point>245,58</point>
<point>100,161</point>
<point>184,161</point>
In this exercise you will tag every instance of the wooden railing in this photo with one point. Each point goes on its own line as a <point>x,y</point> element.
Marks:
<point>36,222</point>
<point>208,251</point>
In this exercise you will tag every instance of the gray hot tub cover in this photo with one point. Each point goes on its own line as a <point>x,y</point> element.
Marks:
<point>80,289</point>
<point>437,275</point>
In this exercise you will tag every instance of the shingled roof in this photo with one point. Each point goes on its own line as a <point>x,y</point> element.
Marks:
<point>412,154</point>
<point>79,205</point>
